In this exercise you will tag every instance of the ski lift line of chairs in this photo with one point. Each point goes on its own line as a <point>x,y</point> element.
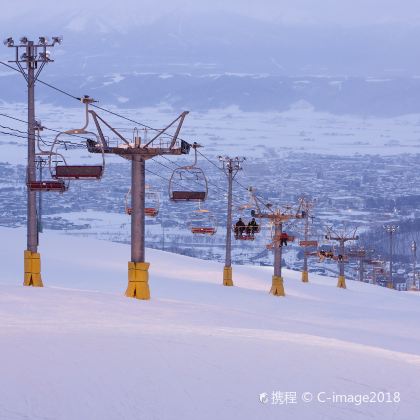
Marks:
<point>203,222</point>
<point>152,202</point>
<point>184,179</point>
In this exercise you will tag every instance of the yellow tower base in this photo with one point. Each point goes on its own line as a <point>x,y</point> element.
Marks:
<point>305,277</point>
<point>32,263</point>
<point>227,276</point>
<point>389,285</point>
<point>138,280</point>
<point>277,288</point>
<point>341,282</point>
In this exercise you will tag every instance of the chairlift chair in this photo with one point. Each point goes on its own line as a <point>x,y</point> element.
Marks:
<point>246,233</point>
<point>203,222</point>
<point>59,167</point>
<point>188,183</point>
<point>152,202</point>
<point>47,186</point>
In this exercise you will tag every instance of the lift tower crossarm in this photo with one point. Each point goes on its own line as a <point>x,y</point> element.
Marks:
<point>178,129</point>
<point>96,117</point>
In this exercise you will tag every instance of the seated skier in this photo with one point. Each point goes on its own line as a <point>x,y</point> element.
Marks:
<point>239,228</point>
<point>252,227</point>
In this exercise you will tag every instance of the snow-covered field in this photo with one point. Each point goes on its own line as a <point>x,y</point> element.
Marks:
<point>229,130</point>
<point>78,349</point>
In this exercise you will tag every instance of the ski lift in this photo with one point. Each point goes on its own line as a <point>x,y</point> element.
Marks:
<point>59,167</point>
<point>308,243</point>
<point>203,222</point>
<point>188,183</point>
<point>310,247</point>
<point>325,253</point>
<point>283,238</point>
<point>152,202</point>
<point>247,230</point>
<point>46,186</point>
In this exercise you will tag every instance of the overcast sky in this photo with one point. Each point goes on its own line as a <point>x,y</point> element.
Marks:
<point>344,12</point>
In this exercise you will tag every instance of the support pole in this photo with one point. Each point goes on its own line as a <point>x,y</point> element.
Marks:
<point>231,166</point>
<point>341,238</point>
<point>305,276</point>
<point>341,278</point>
<point>32,259</point>
<point>227,270</point>
<point>392,230</point>
<point>391,248</point>
<point>138,269</point>
<point>30,64</point>
<point>361,269</point>
<point>138,153</point>
<point>277,287</point>
<point>414,251</point>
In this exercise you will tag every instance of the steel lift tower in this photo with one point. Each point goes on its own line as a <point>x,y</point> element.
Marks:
<point>231,166</point>
<point>392,231</point>
<point>31,57</point>
<point>341,238</point>
<point>277,217</point>
<point>306,205</point>
<point>138,152</point>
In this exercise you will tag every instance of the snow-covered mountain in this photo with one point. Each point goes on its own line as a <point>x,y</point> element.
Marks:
<point>190,41</point>
<point>78,349</point>
<point>379,97</point>
<point>198,60</point>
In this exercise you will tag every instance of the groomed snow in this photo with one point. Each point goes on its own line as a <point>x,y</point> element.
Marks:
<point>78,349</point>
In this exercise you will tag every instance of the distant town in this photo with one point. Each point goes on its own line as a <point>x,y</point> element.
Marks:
<point>363,191</point>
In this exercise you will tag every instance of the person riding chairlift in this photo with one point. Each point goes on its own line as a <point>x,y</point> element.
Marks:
<point>284,237</point>
<point>239,228</point>
<point>252,227</point>
<point>325,254</point>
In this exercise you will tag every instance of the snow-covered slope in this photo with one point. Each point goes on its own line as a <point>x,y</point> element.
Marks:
<point>78,349</point>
